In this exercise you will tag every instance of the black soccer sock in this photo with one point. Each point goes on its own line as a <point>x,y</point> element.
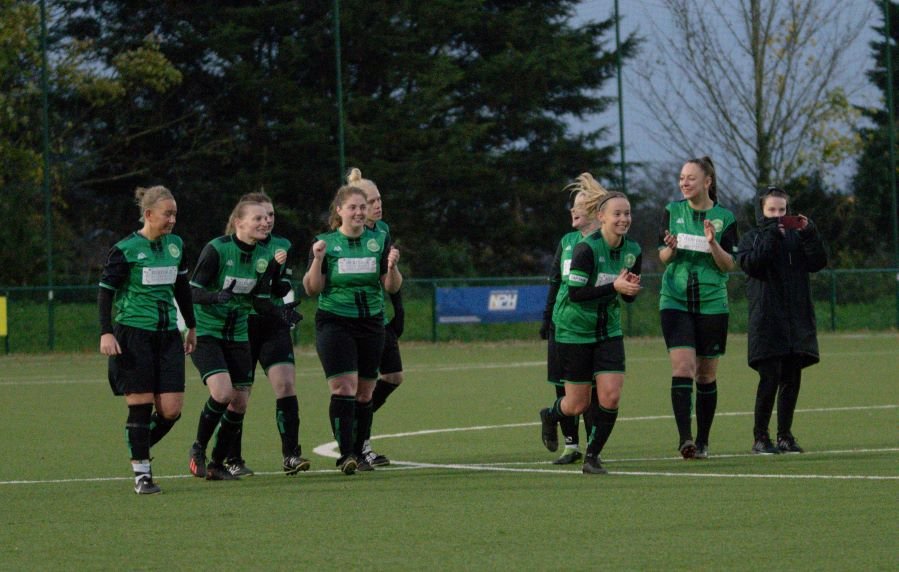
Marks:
<point>769,372</point>
<point>229,429</point>
<point>787,398</point>
<point>682,404</point>
<point>605,422</point>
<point>706,402</point>
<point>555,412</point>
<point>160,427</point>
<point>209,420</point>
<point>342,413</point>
<point>287,416</point>
<point>137,430</point>
<point>382,391</point>
<point>569,425</point>
<point>364,415</point>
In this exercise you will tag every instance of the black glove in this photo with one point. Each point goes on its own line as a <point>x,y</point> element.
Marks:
<point>225,295</point>
<point>288,315</point>
<point>398,323</point>
<point>545,328</point>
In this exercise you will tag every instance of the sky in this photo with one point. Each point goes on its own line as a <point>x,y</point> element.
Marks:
<point>645,17</point>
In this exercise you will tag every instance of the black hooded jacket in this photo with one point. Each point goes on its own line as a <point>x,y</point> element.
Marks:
<point>781,315</point>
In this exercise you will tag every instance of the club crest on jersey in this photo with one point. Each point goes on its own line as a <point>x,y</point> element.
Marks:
<point>261,265</point>
<point>280,251</point>
<point>718,224</point>
<point>174,250</point>
<point>629,260</point>
<point>373,245</point>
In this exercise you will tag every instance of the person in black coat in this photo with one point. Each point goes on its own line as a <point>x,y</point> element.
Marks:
<point>778,256</point>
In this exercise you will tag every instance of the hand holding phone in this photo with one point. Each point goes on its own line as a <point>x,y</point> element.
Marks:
<point>791,222</point>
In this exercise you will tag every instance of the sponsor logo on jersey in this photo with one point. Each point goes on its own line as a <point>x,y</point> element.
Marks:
<point>261,265</point>
<point>718,224</point>
<point>503,301</point>
<point>174,250</point>
<point>629,260</point>
<point>373,245</point>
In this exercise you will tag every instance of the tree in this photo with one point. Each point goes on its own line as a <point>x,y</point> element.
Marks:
<point>760,86</point>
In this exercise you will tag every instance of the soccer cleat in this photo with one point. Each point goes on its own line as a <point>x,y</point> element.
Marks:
<point>363,465</point>
<point>293,464</point>
<point>197,464</point>
<point>687,449</point>
<point>375,460</point>
<point>571,456</point>
<point>702,451</point>
<point>593,466</point>
<point>146,486</point>
<point>347,465</point>
<point>238,467</point>
<point>548,431</point>
<point>788,444</point>
<point>219,472</point>
<point>764,446</point>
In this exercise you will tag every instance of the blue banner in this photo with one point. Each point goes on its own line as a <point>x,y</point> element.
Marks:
<point>491,304</point>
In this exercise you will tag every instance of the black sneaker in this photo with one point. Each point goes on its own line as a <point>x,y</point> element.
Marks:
<point>238,467</point>
<point>146,486</point>
<point>593,466</point>
<point>764,446</point>
<point>347,465</point>
<point>375,460</point>
<point>548,431</point>
<point>570,456</point>
<point>219,472</point>
<point>702,451</point>
<point>687,449</point>
<point>363,465</point>
<point>197,463</point>
<point>788,444</point>
<point>293,464</point>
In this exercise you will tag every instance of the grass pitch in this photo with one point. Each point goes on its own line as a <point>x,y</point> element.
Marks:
<point>471,486</point>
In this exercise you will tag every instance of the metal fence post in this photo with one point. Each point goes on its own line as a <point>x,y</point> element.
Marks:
<point>433,311</point>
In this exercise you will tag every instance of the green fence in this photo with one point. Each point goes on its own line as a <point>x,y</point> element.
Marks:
<point>845,300</point>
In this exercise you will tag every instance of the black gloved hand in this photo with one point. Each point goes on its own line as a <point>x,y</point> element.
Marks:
<point>398,323</point>
<point>225,295</point>
<point>288,315</point>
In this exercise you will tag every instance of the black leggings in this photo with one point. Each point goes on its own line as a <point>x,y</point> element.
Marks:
<point>780,377</point>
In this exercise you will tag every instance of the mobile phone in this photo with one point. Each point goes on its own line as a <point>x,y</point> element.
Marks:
<point>789,222</point>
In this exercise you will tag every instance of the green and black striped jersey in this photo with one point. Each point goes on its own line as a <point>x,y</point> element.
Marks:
<point>353,268</point>
<point>226,260</point>
<point>596,265</point>
<point>566,251</point>
<point>142,273</point>
<point>692,282</point>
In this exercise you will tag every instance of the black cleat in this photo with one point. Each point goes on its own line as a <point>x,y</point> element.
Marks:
<point>293,464</point>
<point>570,456</point>
<point>788,444</point>
<point>702,451</point>
<point>347,465</point>
<point>375,460</point>
<point>197,463</point>
<point>548,431</point>
<point>219,472</point>
<point>146,486</point>
<point>593,466</point>
<point>764,446</point>
<point>363,465</point>
<point>238,467</point>
<point>687,449</point>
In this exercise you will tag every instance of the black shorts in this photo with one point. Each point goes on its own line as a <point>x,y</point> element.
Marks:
<point>391,362</point>
<point>581,363</point>
<point>270,342</point>
<point>150,362</point>
<point>704,333</point>
<point>214,356</point>
<point>553,363</point>
<point>349,345</point>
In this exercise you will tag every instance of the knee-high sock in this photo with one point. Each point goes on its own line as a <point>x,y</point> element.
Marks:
<point>209,420</point>
<point>682,405</point>
<point>787,397</point>
<point>287,416</point>
<point>364,413</point>
<point>229,429</point>
<point>769,374</point>
<point>382,391</point>
<point>160,427</point>
<point>137,431</point>
<point>569,425</point>
<point>706,403</point>
<point>604,422</point>
<point>342,413</point>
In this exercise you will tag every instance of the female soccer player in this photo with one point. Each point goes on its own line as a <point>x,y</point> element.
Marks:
<point>585,223</point>
<point>783,337</point>
<point>588,325</point>
<point>272,347</point>
<point>391,367</point>
<point>697,241</point>
<point>232,276</point>
<point>144,272</point>
<point>349,269</point>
